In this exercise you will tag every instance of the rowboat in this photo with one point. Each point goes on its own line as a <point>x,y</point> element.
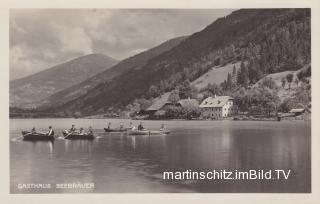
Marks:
<point>33,136</point>
<point>77,136</point>
<point>159,132</point>
<point>148,132</point>
<point>115,130</point>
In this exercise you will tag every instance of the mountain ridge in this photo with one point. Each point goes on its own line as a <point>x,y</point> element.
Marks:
<point>271,40</point>
<point>134,62</point>
<point>29,90</point>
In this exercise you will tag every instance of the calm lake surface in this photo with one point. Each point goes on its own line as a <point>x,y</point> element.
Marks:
<point>119,163</point>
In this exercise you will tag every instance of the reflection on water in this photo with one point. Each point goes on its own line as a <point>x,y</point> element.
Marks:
<point>116,162</point>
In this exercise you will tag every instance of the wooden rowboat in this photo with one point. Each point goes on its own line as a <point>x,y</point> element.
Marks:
<point>33,136</point>
<point>148,132</point>
<point>77,136</point>
<point>115,130</point>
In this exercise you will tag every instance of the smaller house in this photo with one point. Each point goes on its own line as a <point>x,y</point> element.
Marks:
<point>188,103</point>
<point>159,103</point>
<point>217,107</point>
<point>297,111</point>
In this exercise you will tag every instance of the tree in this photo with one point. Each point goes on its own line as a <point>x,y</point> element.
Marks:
<point>212,89</point>
<point>173,111</point>
<point>293,28</point>
<point>254,73</point>
<point>234,75</point>
<point>185,90</point>
<point>260,100</point>
<point>189,112</point>
<point>144,103</point>
<point>163,86</point>
<point>153,91</point>
<point>77,114</point>
<point>133,108</point>
<point>283,81</point>
<point>269,83</point>
<point>243,77</point>
<point>289,79</point>
<point>174,96</point>
<point>224,85</point>
<point>229,82</point>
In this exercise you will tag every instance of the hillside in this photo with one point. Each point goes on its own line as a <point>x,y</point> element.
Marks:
<point>132,63</point>
<point>285,89</point>
<point>268,40</point>
<point>30,90</point>
<point>215,75</point>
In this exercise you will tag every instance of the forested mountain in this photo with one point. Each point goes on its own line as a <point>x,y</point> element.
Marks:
<point>264,41</point>
<point>132,63</point>
<point>30,90</point>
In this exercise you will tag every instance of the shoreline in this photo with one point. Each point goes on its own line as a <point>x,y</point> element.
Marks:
<point>198,120</point>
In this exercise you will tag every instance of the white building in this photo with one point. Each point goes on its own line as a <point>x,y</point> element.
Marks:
<point>217,107</point>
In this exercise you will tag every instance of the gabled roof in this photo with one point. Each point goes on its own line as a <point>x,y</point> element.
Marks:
<point>188,102</point>
<point>215,102</point>
<point>297,110</point>
<point>159,102</point>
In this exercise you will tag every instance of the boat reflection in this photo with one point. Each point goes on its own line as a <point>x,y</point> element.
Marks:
<point>78,145</point>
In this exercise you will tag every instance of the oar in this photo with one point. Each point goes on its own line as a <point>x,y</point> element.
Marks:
<point>68,135</point>
<point>32,133</point>
<point>27,134</point>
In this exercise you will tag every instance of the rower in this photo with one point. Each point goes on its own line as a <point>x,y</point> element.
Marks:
<point>109,125</point>
<point>90,131</point>
<point>131,127</point>
<point>121,126</point>
<point>33,130</point>
<point>50,132</point>
<point>162,127</point>
<point>72,129</point>
<point>140,127</point>
<point>81,132</point>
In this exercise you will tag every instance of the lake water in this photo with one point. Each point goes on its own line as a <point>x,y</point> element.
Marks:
<point>121,163</point>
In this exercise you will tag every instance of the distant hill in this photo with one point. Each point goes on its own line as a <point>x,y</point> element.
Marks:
<point>268,40</point>
<point>132,63</point>
<point>28,92</point>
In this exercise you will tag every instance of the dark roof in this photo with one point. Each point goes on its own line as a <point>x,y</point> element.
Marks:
<point>188,102</point>
<point>159,102</point>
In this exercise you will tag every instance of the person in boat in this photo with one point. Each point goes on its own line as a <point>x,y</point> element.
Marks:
<point>162,127</point>
<point>33,130</point>
<point>81,132</point>
<point>121,126</point>
<point>90,131</point>
<point>72,129</point>
<point>50,132</point>
<point>131,127</point>
<point>109,125</point>
<point>140,126</point>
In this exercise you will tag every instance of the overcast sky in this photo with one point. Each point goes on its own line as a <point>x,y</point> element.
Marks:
<point>41,38</point>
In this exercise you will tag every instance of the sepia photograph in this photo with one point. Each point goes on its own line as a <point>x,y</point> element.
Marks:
<point>159,100</point>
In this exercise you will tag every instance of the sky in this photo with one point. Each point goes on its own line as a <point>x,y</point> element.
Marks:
<point>42,38</point>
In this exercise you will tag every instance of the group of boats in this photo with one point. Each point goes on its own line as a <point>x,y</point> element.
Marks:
<point>68,134</point>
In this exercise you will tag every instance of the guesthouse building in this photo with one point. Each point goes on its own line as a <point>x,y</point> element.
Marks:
<point>217,107</point>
